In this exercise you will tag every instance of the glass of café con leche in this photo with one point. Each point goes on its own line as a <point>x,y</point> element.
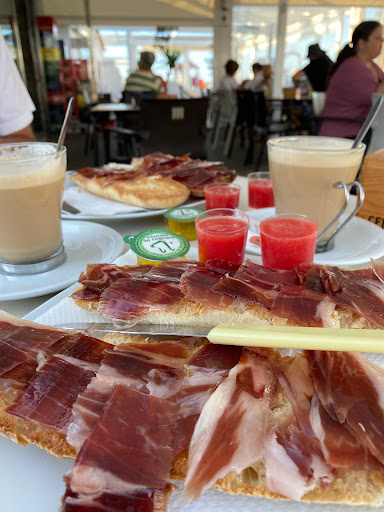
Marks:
<point>32,178</point>
<point>311,176</point>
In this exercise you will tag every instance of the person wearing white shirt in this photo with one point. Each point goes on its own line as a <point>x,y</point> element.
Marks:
<point>16,105</point>
<point>229,82</point>
<point>257,82</point>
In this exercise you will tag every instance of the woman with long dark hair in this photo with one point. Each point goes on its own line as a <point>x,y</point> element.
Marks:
<point>355,77</point>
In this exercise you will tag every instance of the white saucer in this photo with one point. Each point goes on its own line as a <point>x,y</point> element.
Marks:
<point>84,242</point>
<point>357,243</point>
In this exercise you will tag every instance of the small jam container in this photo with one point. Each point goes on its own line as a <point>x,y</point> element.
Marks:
<point>182,221</point>
<point>154,246</point>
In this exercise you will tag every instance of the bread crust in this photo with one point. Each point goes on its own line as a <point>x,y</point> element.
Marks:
<point>146,191</point>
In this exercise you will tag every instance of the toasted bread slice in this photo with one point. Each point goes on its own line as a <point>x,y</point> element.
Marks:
<point>146,191</point>
<point>187,312</point>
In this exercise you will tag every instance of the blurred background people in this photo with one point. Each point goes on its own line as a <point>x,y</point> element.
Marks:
<point>16,106</point>
<point>144,80</point>
<point>229,82</point>
<point>355,77</point>
<point>318,69</point>
<point>257,81</point>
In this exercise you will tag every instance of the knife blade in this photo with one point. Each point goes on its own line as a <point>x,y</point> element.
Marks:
<point>288,337</point>
<point>151,329</point>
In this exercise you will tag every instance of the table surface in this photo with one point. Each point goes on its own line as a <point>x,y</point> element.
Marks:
<point>22,307</point>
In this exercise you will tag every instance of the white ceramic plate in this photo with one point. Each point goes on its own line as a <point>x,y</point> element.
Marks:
<point>84,242</point>
<point>94,206</point>
<point>357,243</point>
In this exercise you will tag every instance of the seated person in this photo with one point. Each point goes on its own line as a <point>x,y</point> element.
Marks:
<point>317,70</point>
<point>229,82</point>
<point>16,106</point>
<point>143,80</point>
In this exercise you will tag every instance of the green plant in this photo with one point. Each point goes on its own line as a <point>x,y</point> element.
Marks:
<point>172,55</point>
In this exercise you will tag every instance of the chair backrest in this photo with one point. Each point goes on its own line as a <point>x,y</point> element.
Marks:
<point>227,102</point>
<point>137,96</point>
<point>261,111</point>
<point>246,107</point>
<point>174,126</point>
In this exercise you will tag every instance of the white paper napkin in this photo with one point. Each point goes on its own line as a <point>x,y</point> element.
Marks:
<point>91,204</point>
<point>67,312</point>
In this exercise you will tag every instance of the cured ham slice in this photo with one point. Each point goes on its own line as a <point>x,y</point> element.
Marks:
<point>198,285</point>
<point>221,441</point>
<point>193,173</point>
<point>128,298</point>
<point>350,389</point>
<point>143,500</point>
<point>294,463</point>
<point>155,368</point>
<point>26,345</point>
<point>51,393</point>
<point>340,445</point>
<point>303,306</point>
<point>172,271</point>
<point>137,471</point>
<point>99,276</point>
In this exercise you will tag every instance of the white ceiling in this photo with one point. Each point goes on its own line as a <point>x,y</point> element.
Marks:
<point>161,12</point>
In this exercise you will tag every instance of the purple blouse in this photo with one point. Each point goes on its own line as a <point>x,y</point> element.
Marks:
<point>349,95</point>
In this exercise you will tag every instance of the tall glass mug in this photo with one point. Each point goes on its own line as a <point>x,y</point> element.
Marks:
<point>32,179</point>
<point>312,176</point>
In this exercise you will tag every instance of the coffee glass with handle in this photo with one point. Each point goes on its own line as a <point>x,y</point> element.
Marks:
<point>32,180</point>
<point>313,176</point>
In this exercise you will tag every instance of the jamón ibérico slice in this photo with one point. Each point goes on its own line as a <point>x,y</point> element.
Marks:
<point>303,306</point>
<point>257,374</point>
<point>350,389</point>
<point>378,269</point>
<point>110,464</point>
<point>85,294</point>
<point>245,287</point>
<point>222,266</point>
<point>141,500</point>
<point>339,443</point>
<point>270,276</point>
<point>295,379</point>
<point>197,284</point>
<point>51,393</point>
<point>171,271</point>
<point>130,298</point>
<point>151,368</point>
<point>223,357</point>
<point>25,345</point>
<point>99,276</point>
<point>294,463</point>
<point>221,442</point>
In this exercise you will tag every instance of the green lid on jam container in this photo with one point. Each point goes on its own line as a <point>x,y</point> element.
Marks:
<point>183,214</point>
<point>158,245</point>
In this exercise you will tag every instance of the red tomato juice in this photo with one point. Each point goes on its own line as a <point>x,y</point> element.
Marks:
<point>287,242</point>
<point>222,197</point>
<point>260,193</point>
<point>223,238</point>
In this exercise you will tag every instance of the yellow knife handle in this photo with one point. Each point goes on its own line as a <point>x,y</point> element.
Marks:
<point>311,338</point>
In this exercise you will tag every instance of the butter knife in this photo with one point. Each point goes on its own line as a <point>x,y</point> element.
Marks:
<point>311,338</point>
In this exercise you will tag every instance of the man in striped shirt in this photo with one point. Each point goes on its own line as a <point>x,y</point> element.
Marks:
<point>143,79</point>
